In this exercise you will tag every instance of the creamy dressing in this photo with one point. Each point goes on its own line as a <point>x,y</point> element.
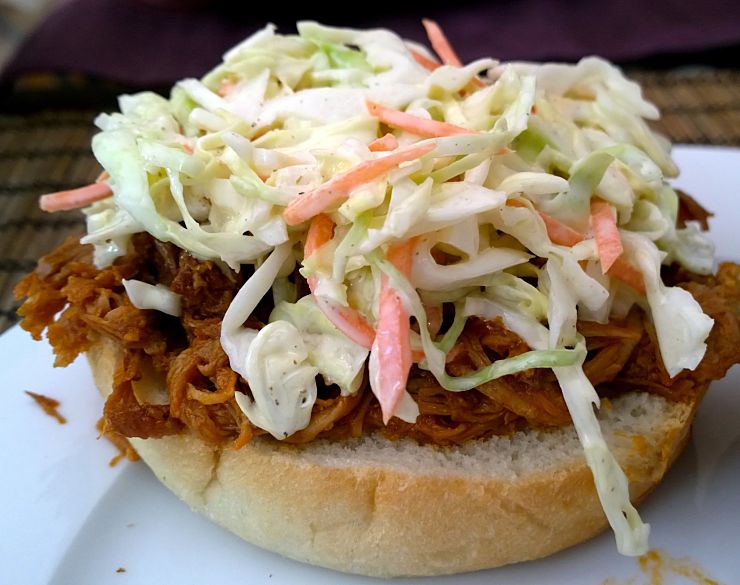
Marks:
<point>213,168</point>
<point>281,379</point>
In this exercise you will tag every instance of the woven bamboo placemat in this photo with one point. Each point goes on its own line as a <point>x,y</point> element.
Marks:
<point>50,151</point>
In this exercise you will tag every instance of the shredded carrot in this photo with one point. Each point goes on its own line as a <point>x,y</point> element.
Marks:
<point>424,61</point>
<point>443,47</point>
<point>384,144</point>
<point>338,188</point>
<point>628,274</point>
<point>440,43</point>
<point>620,269</point>
<point>563,235</point>
<point>393,337</point>
<point>104,176</point>
<point>415,124</point>
<point>606,233</point>
<point>558,232</point>
<point>515,203</point>
<point>226,89</point>
<point>319,233</point>
<point>348,320</point>
<point>75,198</point>
<point>402,254</point>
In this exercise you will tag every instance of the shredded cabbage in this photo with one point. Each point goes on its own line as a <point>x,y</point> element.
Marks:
<point>611,483</point>
<point>282,381</point>
<point>212,169</point>
<point>680,324</point>
<point>435,357</point>
<point>338,359</point>
<point>580,397</point>
<point>148,296</point>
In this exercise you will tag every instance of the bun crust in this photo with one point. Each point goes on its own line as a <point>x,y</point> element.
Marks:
<point>382,508</point>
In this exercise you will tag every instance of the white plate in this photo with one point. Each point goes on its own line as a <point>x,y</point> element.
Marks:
<point>70,519</point>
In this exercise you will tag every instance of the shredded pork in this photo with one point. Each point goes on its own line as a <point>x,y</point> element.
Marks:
<point>49,405</point>
<point>76,303</point>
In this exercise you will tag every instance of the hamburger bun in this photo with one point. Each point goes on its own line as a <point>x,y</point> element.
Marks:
<point>376,507</point>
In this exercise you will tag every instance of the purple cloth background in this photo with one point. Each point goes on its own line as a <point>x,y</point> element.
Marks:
<point>143,45</point>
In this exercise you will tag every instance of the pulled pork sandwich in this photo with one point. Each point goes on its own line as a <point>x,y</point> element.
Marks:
<point>358,305</point>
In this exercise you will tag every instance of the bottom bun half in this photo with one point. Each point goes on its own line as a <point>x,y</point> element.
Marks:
<point>382,508</point>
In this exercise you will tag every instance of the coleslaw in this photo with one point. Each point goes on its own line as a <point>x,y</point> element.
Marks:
<point>536,194</point>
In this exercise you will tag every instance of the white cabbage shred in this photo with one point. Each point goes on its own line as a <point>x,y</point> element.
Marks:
<point>149,296</point>
<point>213,167</point>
